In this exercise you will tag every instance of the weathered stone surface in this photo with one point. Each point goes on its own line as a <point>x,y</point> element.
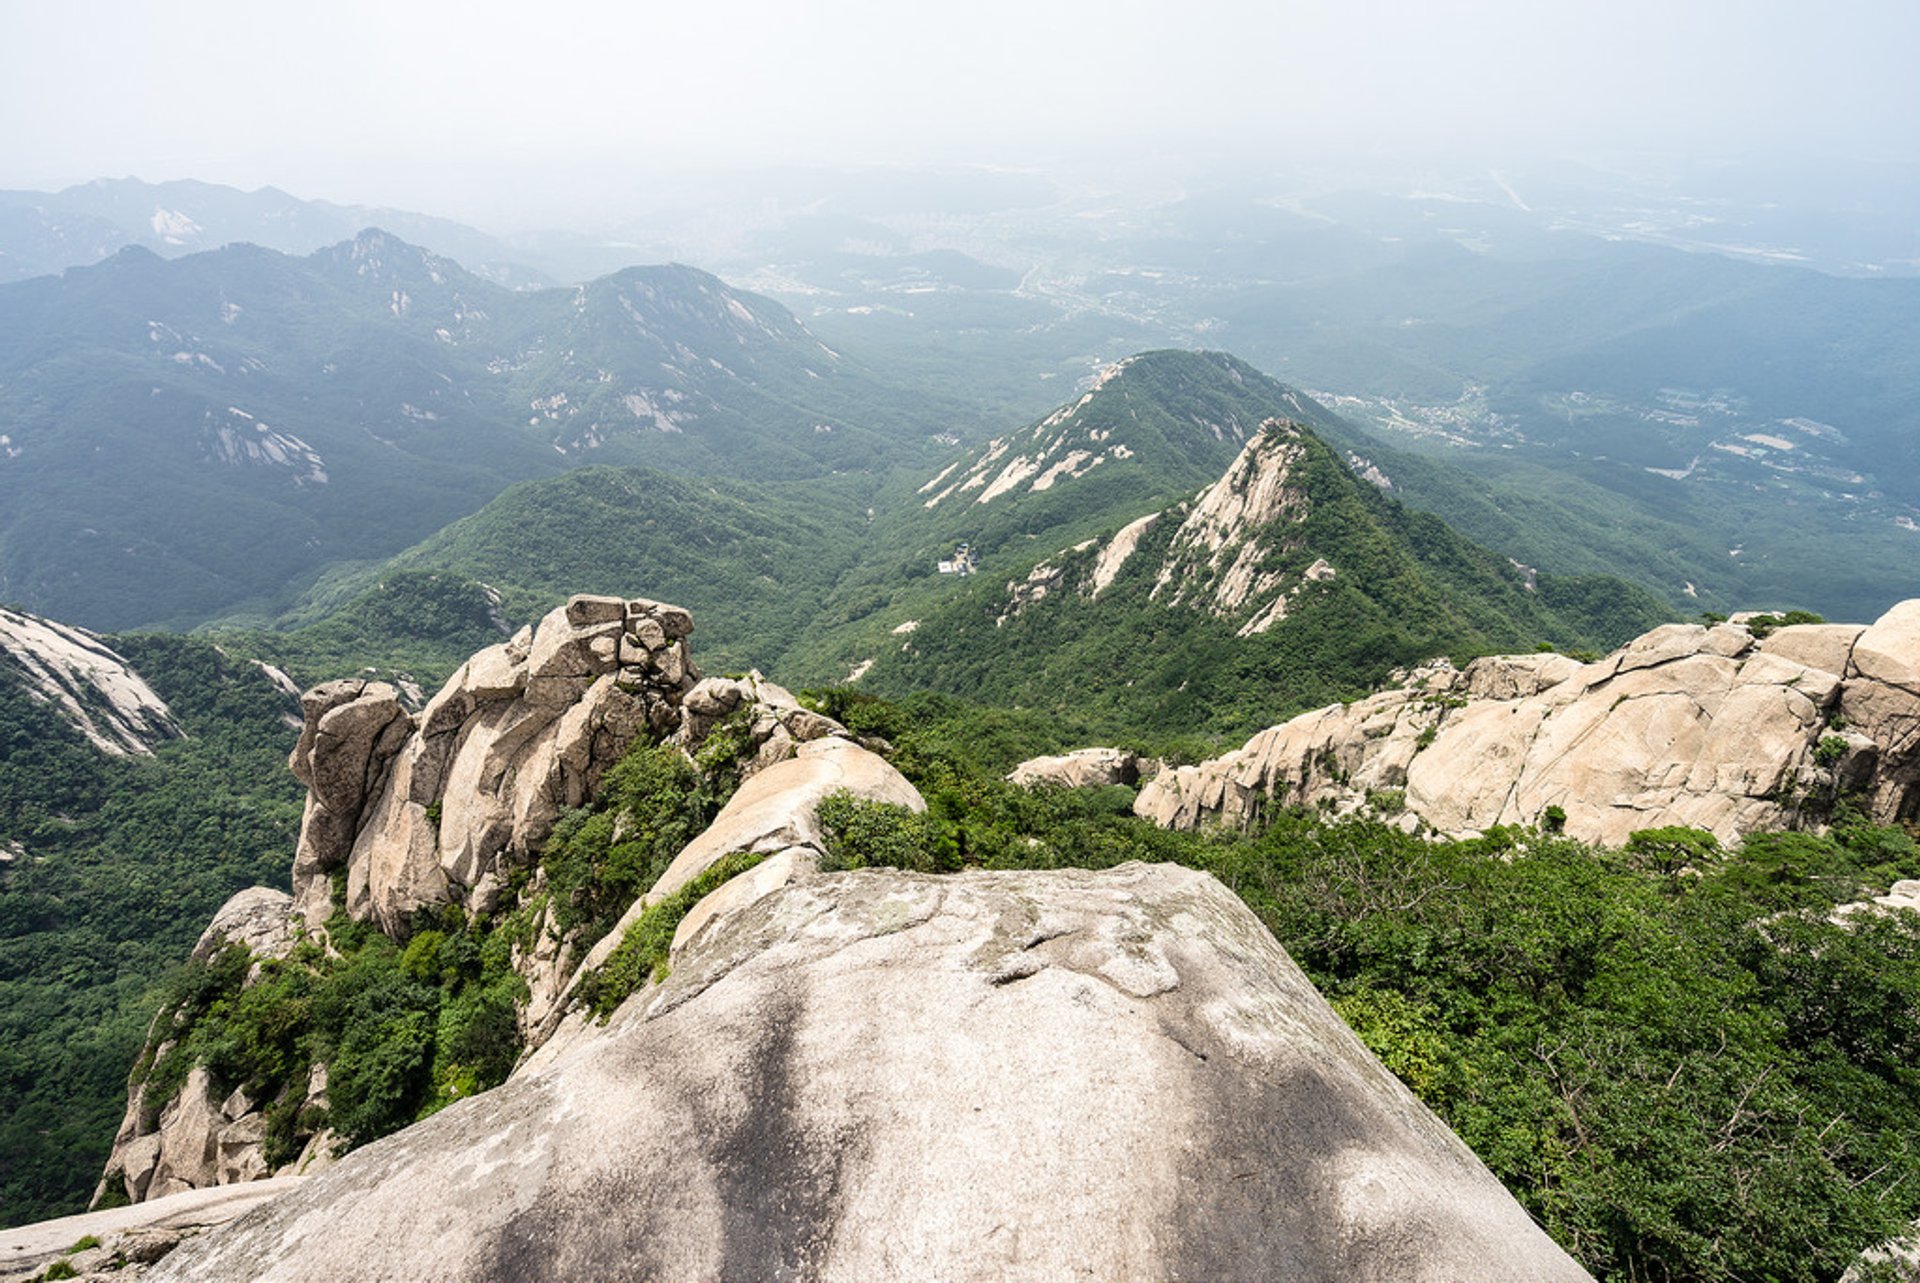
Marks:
<point>421,811</point>
<point>775,809</point>
<point>1684,725</point>
<point>582,610</point>
<point>774,720</point>
<point>1082,768</point>
<point>351,731</point>
<point>795,864</point>
<point>1827,647</point>
<point>1889,650</point>
<point>142,1233</point>
<point>882,1076</point>
<point>259,918</point>
<point>200,1138</point>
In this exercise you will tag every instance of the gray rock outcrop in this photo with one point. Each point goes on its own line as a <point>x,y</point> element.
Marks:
<point>130,1238</point>
<point>771,721</point>
<point>1689,725</point>
<point>775,813</point>
<point>878,1075</point>
<point>87,683</point>
<point>428,809</point>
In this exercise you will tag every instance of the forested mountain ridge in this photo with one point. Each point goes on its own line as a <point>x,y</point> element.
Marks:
<point>44,233</point>
<point>185,437</point>
<point>112,852</point>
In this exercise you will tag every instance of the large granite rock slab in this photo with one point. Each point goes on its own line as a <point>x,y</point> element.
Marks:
<point>877,1075</point>
<point>1685,725</point>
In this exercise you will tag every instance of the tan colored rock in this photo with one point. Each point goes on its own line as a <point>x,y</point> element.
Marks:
<point>1827,647</point>
<point>1082,768</point>
<point>492,674</point>
<point>142,1234</point>
<point>775,809</point>
<point>795,864</point>
<point>1685,725</point>
<point>884,1076</point>
<point>438,808</point>
<point>351,731</point>
<point>190,1130</point>
<point>1889,650</point>
<point>583,610</point>
<point>673,620</point>
<point>775,721</point>
<point>260,918</point>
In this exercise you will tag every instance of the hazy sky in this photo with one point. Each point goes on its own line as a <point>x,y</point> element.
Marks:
<point>457,107</point>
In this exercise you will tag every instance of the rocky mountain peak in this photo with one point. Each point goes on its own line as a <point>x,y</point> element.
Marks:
<point>1151,411</point>
<point>1224,552</point>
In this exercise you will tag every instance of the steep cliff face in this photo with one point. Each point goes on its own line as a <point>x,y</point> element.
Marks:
<point>419,811</point>
<point>202,1136</point>
<point>880,1075</point>
<point>1708,727</point>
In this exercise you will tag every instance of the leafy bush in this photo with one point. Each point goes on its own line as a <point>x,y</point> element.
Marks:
<point>641,956</point>
<point>862,834</point>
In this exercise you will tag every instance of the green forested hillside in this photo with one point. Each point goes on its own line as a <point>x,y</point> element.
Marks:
<point>753,561</point>
<point>810,578</point>
<point>122,862</point>
<point>193,437</point>
<point>1405,589</point>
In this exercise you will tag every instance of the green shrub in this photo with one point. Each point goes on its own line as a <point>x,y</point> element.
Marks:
<point>642,953</point>
<point>862,834</point>
<point>599,861</point>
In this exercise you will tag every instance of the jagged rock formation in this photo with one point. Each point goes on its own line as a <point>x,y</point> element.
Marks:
<point>1708,727</point>
<point>881,1075</point>
<point>430,809</point>
<point>90,685</point>
<point>415,810</point>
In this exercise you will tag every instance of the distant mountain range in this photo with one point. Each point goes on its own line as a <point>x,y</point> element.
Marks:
<point>44,233</point>
<point>1177,546</point>
<point>182,438</point>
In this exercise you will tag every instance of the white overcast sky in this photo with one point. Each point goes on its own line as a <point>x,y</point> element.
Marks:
<point>445,106</point>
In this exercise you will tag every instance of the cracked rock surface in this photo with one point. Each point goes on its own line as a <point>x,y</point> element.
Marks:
<point>881,1075</point>
<point>1707,727</point>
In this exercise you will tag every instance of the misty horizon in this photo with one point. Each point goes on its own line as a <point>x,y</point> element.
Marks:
<point>485,115</point>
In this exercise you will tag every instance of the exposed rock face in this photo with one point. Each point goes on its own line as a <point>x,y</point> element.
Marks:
<point>771,718</point>
<point>878,1075</point>
<point>131,1238</point>
<point>1082,768</point>
<point>432,808</point>
<point>1685,725</point>
<point>202,1137</point>
<point>92,687</point>
<point>773,812</point>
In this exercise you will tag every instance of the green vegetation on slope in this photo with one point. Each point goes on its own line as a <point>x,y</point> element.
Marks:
<point>202,436</point>
<point>1686,1073</point>
<point>1406,589</point>
<point>752,561</point>
<point>126,859</point>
